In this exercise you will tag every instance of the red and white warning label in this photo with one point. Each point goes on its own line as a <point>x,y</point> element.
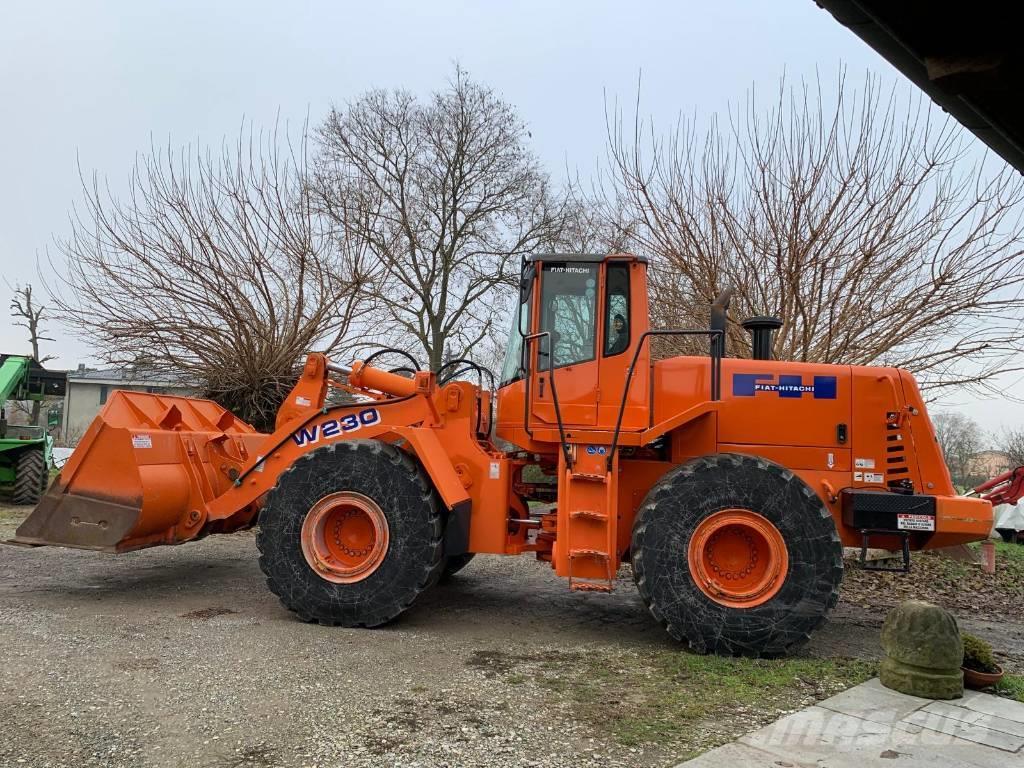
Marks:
<point>908,522</point>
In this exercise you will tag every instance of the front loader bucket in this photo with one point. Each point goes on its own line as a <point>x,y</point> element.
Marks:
<point>143,475</point>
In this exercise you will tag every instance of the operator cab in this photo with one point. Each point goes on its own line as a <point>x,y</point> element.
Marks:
<point>575,333</point>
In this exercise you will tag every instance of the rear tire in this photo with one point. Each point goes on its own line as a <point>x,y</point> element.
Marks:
<point>30,477</point>
<point>791,604</point>
<point>408,561</point>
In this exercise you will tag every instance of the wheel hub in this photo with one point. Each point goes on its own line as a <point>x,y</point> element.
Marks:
<point>345,537</point>
<point>738,558</point>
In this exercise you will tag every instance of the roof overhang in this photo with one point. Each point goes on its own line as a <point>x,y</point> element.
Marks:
<point>965,56</point>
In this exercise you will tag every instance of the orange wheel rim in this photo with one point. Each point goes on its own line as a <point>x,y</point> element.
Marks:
<point>345,537</point>
<point>738,558</point>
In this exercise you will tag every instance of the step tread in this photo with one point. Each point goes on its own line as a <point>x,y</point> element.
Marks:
<point>590,586</point>
<point>592,514</point>
<point>595,553</point>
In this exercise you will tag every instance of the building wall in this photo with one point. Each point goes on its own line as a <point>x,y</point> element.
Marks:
<point>84,399</point>
<point>986,464</point>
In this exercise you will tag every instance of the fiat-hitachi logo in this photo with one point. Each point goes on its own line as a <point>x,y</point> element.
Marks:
<point>749,384</point>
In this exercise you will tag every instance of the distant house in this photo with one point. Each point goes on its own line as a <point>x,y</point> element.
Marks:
<point>88,390</point>
<point>988,464</point>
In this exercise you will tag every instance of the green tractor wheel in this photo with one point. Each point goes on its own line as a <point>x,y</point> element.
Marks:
<point>30,478</point>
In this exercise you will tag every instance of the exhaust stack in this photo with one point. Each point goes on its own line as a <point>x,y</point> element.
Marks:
<point>761,330</point>
<point>719,319</point>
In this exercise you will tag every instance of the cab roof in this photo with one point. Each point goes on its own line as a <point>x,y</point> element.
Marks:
<point>589,258</point>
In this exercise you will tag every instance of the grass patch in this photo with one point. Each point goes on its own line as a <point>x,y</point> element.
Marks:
<point>1012,687</point>
<point>672,698</point>
<point>661,699</point>
<point>1012,554</point>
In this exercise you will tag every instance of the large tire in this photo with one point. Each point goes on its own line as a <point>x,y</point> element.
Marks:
<point>795,601</point>
<point>397,488</point>
<point>30,477</point>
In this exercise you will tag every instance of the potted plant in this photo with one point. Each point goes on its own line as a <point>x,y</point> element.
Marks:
<point>980,668</point>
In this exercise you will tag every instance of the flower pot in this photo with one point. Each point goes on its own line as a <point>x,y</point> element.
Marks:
<point>978,680</point>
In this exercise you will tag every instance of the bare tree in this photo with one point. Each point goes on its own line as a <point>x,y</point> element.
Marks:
<point>215,267</point>
<point>29,315</point>
<point>589,226</point>
<point>960,438</point>
<point>863,226</point>
<point>448,198</point>
<point>1011,442</point>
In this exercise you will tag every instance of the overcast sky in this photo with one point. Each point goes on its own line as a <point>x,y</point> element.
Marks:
<point>95,82</point>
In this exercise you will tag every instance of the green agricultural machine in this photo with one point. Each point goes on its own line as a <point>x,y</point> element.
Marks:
<point>26,451</point>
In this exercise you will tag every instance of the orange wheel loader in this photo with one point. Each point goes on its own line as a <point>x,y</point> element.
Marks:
<point>730,485</point>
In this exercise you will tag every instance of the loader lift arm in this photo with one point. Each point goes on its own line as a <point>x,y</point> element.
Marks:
<point>22,378</point>
<point>1007,488</point>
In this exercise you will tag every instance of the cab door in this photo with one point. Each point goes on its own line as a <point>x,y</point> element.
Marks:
<point>567,312</point>
<point>624,323</point>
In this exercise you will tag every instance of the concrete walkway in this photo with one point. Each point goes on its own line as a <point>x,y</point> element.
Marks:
<point>870,725</point>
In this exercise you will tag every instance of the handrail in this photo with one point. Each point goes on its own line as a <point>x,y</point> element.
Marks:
<point>717,339</point>
<point>527,338</point>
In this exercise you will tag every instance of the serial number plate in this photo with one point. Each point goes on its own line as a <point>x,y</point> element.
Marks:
<point>907,522</point>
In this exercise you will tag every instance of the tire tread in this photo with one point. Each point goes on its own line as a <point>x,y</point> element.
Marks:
<point>277,503</point>
<point>30,477</point>
<point>670,486</point>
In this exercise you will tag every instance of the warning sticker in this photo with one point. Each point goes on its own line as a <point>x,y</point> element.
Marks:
<point>300,400</point>
<point>142,441</point>
<point>874,477</point>
<point>495,472</point>
<point>908,522</point>
<point>864,463</point>
<point>858,477</point>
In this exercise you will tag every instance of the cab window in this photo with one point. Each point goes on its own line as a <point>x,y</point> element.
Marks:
<point>512,370</point>
<point>568,298</point>
<point>616,324</point>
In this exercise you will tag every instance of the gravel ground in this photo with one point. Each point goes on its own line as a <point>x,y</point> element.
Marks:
<point>179,656</point>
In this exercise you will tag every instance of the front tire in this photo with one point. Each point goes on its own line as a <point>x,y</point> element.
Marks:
<point>736,555</point>
<point>351,534</point>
